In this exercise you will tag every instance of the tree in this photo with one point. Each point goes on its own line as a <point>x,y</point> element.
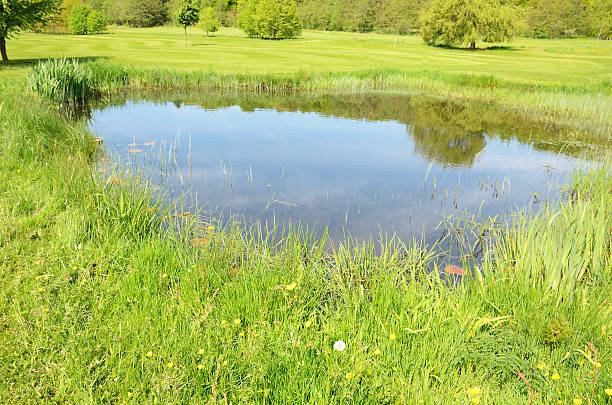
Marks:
<point>79,20</point>
<point>465,22</point>
<point>270,19</point>
<point>18,15</point>
<point>187,15</point>
<point>96,22</point>
<point>209,20</point>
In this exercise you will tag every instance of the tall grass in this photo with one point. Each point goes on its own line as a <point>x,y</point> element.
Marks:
<point>106,309</point>
<point>584,105</point>
<point>62,80</point>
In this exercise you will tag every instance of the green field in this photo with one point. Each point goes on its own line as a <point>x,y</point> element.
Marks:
<point>573,61</point>
<point>104,301</point>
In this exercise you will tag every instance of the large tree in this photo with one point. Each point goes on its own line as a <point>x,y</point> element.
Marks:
<point>466,22</point>
<point>270,19</point>
<point>18,15</point>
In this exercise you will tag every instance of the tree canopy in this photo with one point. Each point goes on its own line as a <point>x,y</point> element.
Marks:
<point>270,19</point>
<point>18,15</point>
<point>466,22</point>
<point>209,20</point>
<point>187,15</point>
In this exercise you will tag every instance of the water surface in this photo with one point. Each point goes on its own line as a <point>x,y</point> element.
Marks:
<point>359,165</point>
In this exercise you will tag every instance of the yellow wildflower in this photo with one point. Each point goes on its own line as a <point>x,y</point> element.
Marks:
<point>608,392</point>
<point>130,394</point>
<point>149,354</point>
<point>211,228</point>
<point>291,287</point>
<point>164,275</point>
<point>377,352</point>
<point>45,309</point>
<point>200,366</point>
<point>559,401</point>
<point>224,362</point>
<point>555,376</point>
<point>74,267</point>
<point>241,334</point>
<point>475,400</point>
<point>37,262</point>
<point>597,365</point>
<point>37,277</point>
<point>237,322</point>
<point>308,323</point>
<point>40,289</point>
<point>349,376</point>
<point>577,401</point>
<point>392,336</point>
<point>223,322</point>
<point>474,391</point>
<point>201,351</point>
<point>170,365</point>
<point>541,366</point>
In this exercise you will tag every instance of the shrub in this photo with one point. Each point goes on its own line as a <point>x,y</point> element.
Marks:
<point>61,80</point>
<point>96,22</point>
<point>79,20</point>
<point>209,20</point>
<point>271,19</point>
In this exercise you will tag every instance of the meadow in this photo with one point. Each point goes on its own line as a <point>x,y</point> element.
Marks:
<point>111,296</point>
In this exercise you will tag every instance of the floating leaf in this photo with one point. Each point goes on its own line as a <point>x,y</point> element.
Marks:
<point>452,269</point>
<point>199,241</point>
<point>149,143</point>
<point>135,150</point>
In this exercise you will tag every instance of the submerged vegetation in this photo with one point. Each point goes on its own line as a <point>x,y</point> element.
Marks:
<point>114,297</point>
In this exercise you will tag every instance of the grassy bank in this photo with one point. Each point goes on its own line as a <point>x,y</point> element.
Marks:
<point>562,80</point>
<point>101,302</point>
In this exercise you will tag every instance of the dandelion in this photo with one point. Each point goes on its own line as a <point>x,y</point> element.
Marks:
<point>41,289</point>
<point>475,400</point>
<point>211,228</point>
<point>555,377</point>
<point>37,277</point>
<point>223,322</point>
<point>541,367</point>
<point>392,336</point>
<point>130,394</point>
<point>597,365</point>
<point>164,275</point>
<point>577,401</point>
<point>339,345</point>
<point>237,322</point>
<point>224,362</point>
<point>241,334</point>
<point>45,309</point>
<point>349,376</point>
<point>608,392</point>
<point>37,262</point>
<point>149,354</point>
<point>308,323</point>
<point>170,365</point>
<point>474,391</point>
<point>201,351</point>
<point>291,287</point>
<point>200,366</point>
<point>377,352</point>
<point>74,267</point>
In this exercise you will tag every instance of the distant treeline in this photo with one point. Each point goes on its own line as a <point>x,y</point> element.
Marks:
<point>542,18</point>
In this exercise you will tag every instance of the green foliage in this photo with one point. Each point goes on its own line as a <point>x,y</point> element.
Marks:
<point>188,14</point>
<point>96,22</point>
<point>558,331</point>
<point>560,18</point>
<point>18,15</point>
<point>79,16</point>
<point>466,22</point>
<point>270,19</point>
<point>61,80</point>
<point>209,20</point>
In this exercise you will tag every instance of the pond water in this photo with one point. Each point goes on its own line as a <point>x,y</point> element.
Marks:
<point>358,165</point>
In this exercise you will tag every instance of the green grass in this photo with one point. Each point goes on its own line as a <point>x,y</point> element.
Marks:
<point>102,289</point>
<point>566,81</point>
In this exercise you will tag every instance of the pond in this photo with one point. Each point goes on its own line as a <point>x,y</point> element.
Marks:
<point>360,165</point>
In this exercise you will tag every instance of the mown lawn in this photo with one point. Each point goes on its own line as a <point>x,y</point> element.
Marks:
<point>568,61</point>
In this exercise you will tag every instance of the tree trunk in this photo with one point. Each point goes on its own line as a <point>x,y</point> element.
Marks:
<point>185,36</point>
<point>3,49</point>
<point>601,30</point>
<point>473,45</point>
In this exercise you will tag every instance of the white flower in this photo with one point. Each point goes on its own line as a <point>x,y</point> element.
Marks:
<point>339,345</point>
